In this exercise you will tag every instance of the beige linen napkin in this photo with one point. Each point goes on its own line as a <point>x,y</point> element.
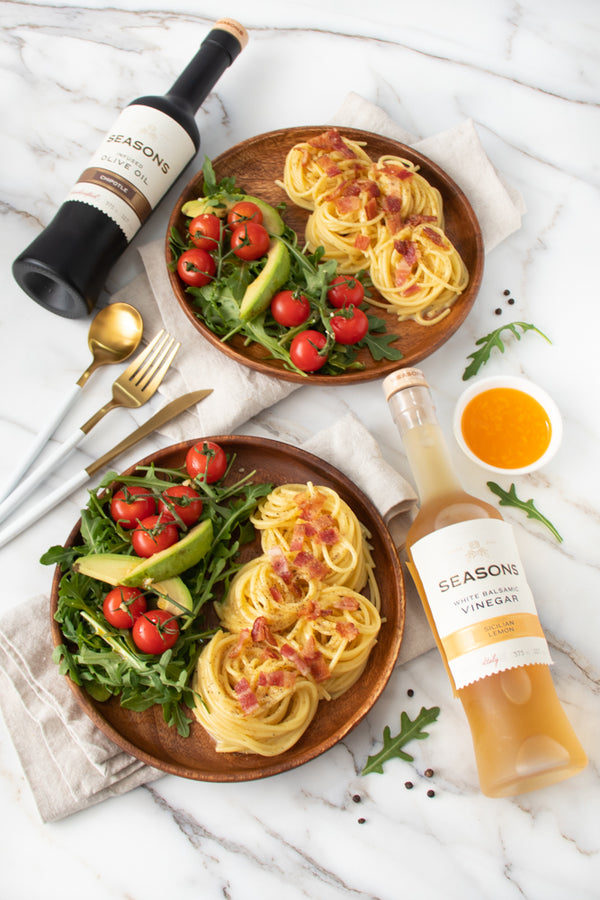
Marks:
<point>240,393</point>
<point>68,762</point>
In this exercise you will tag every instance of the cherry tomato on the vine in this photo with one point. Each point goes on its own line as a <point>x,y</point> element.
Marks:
<point>345,290</point>
<point>205,231</point>
<point>123,605</point>
<point>304,350</point>
<point>155,631</point>
<point>244,211</point>
<point>152,535</point>
<point>130,504</point>
<point>206,460</point>
<point>181,502</point>
<point>196,267</point>
<point>250,241</point>
<point>350,329</point>
<point>290,309</point>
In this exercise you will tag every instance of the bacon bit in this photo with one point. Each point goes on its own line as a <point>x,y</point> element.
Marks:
<point>347,630</point>
<point>268,653</point>
<point>331,140</point>
<point>394,223</point>
<point>362,242</point>
<point>243,636</point>
<point>262,632</point>
<point>329,536</point>
<point>313,656</point>
<point>345,205</point>
<point>309,610</point>
<point>419,219</point>
<point>280,564</point>
<point>246,696</point>
<point>328,165</point>
<point>275,593</point>
<point>371,207</point>
<point>412,289</point>
<point>434,237</point>
<point>288,652</point>
<point>305,158</point>
<point>279,678</point>
<point>400,172</point>
<point>369,187</point>
<point>407,249</point>
<point>401,273</point>
<point>316,568</point>
<point>346,602</point>
<point>391,203</point>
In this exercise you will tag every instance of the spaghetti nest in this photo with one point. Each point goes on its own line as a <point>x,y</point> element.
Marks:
<point>295,627</point>
<point>374,215</point>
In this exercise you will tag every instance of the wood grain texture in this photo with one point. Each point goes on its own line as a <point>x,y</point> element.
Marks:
<point>145,735</point>
<point>256,164</point>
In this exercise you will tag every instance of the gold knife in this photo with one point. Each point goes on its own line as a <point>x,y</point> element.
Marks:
<point>164,415</point>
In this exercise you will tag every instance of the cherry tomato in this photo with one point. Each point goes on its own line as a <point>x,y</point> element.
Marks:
<point>350,329</point>
<point>155,631</point>
<point>196,267</point>
<point>250,241</point>
<point>152,535</point>
<point>123,605</point>
<point>205,231</point>
<point>345,291</point>
<point>290,309</point>
<point>181,502</point>
<point>206,460</point>
<point>244,211</point>
<point>304,350</point>
<point>130,504</point>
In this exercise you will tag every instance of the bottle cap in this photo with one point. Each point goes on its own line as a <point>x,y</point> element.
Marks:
<point>403,378</point>
<point>234,28</point>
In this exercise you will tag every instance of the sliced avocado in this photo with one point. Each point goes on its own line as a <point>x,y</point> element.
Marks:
<point>174,596</point>
<point>111,568</point>
<point>275,273</point>
<point>175,559</point>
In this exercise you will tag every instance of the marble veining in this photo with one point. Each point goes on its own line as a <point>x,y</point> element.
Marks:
<point>527,74</point>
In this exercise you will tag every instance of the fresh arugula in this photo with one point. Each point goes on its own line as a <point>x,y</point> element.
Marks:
<point>217,303</point>
<point>494,339</point>
<point>392,746</point>
<point>104,660</point>
<point>509,498</point>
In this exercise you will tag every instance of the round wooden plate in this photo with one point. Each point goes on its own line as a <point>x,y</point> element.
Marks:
<point>256,164</point>
<point>145,735</point>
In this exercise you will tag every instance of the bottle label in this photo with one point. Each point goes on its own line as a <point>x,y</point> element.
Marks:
<point>482,606</point>
<point>135,165</point>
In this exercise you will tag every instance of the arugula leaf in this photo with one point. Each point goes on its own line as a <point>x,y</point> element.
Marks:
<point>509,498</point>
<point>494,339</point>
<point>409,731</point>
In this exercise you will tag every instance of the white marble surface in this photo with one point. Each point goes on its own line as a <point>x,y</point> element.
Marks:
<point>528,75</point>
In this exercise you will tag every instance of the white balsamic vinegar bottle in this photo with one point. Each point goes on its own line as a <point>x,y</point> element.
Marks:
<point>466,566</point>
<point>150,144</point>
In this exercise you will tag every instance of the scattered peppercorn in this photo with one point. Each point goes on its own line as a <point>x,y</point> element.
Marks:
<point>430,793</point>
<point>356,798</point>
<point>498,311</point>
<point>361,821</point>
<point>506,292</point>
<point>511,300</point>
<point>408,785</point>
<point>410,692</point>
<point>428,773</point>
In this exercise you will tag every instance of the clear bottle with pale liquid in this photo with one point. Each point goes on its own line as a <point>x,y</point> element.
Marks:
<point>465,564</point>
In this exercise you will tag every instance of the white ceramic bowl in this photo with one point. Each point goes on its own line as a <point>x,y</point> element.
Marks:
<point>519,384</point>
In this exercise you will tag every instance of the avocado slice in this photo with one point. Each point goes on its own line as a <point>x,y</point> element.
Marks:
<point>174,596</point>
<point>112,568</point>
<point>276,270</point>
<point>175,559</point>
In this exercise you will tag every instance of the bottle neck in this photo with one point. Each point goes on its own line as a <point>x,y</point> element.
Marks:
<point>413,412</point>
<point>217,51</point>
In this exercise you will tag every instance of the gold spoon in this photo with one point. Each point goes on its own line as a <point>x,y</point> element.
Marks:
<point>115,332</point>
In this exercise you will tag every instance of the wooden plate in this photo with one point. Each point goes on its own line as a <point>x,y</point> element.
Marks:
<point>145,735</point>
<point>256,164</point>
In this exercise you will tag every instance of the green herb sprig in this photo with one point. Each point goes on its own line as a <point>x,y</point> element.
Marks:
<point>509,498</point>
<point>392,746</point>
<point>494,339</point>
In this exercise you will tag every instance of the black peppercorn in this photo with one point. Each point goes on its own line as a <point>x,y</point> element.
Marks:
<point>428,773</point>
<point>498,311</point>
<point>410,692</point>
<point>361,821</point>
<point>506,292</point>
<point>430,793</point>
<point>408,785</point>
<point>356,798</point>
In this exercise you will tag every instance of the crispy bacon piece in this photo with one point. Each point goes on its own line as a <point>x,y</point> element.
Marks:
<point>391,203</point>
<point>275,593</point>
<point>309,507</point>
<point>371,208</point>
<point>419,219</point>
<point>347,204</point>
<point>362,241</point>
<point>280,564</point>
<point>411,289</point>
<point>347,630</point>
<point>307,561</point>
<point>292,655</point>
<point>309,610</point>
<point>262,632</point>
<point>407,249</point>
<point>434,237</point>
<point>279,678</point>
<point>332,140</point>
<point>330,167</point>
<point>246,696</point>
<point>349,603</point>
<point>310,662</point>
<point>243,636</point>
<point>394,171</point>
<point>401,273</point>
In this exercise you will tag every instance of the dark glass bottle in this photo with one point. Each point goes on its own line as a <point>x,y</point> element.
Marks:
<point>152,141</point>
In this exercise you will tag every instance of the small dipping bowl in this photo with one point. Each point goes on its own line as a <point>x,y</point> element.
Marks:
<point>507,424</point>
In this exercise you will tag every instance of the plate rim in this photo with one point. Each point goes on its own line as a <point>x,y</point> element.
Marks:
<point>271,766</point>
<point>385,367</point>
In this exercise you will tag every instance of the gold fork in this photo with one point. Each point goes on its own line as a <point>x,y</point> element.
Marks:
<point>132,389</point>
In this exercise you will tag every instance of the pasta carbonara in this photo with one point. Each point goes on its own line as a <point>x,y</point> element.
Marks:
<point>295,628</point>
<point>381,216</point>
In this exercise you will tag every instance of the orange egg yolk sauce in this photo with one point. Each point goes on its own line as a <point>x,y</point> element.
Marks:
<point>506,428</point>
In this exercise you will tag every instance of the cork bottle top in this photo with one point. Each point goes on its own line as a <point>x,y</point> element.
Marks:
<point>234,28</point>
<point>403,378</point>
